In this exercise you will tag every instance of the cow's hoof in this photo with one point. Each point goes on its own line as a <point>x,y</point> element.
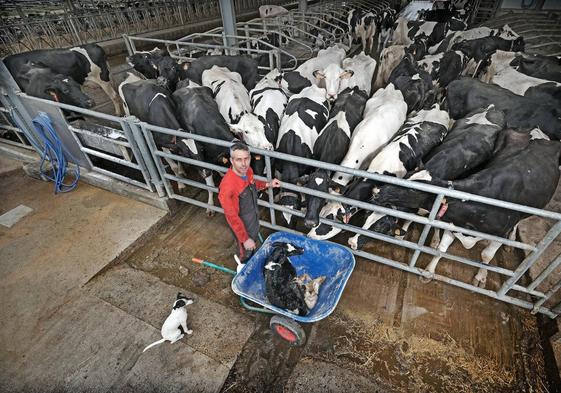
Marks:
<point>210,213</point>
<point>479,282</point>
<point>353,243</point>
<point>426,277</point>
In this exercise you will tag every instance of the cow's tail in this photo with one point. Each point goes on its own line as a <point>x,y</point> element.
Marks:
<point>154,344</point>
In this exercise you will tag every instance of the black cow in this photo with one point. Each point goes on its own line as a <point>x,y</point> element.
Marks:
<point>523,113</point>
<point>539,66</point>
<point>332,145</point>
<point>81,63</point>
<point>444,67</point>
<point>244,66</point>
<point>414,83</point>
<point>159,64</point>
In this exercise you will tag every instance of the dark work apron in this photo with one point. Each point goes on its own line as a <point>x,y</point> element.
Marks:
<point>249,212</point>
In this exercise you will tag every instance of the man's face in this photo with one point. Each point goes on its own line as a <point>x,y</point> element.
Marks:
<point>240,160</point>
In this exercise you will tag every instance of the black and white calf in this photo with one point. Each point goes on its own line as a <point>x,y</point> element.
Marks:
<point>331,146</point>
<point>444,67</point>
<point>523,113</point>
<point>414,83</point>
<point>304,117</point>
<point>385,22</point>
<point>235,106</point>
<point>362,24</point>
<point>479,32</point>
<point>86,63</point>
<point>403,154</point>
<point>538,66</point>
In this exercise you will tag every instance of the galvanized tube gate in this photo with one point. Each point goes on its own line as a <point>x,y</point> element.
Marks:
<point>512,291</point>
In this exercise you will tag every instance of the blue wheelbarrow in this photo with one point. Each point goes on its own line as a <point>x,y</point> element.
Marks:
<point>320,258</point>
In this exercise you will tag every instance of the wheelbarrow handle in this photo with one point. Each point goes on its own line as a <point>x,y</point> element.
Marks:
<point>214,266</point>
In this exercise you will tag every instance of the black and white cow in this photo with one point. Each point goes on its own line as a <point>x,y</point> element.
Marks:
<point>81,63</point>
<point>355,71</point>
<point>385,21</point>
<point>332,145</point>
<point>523,113</point>
<point>198,113</point>
<point>304,117</point>
<point>235,106</point>
<point>479,32</point>
<point>268,101</point>
<point>245,66</point>
<point>501,73</point>
<point>152,103</point>
<point>146,62</point>
<point>42,82</point>
<point>384,113</point>
<point>510,176</point>
<point>482,48</point>
<point>270,11</point>
<point>400,156</point>
<point>406,31</point>
<point>414,83</point>
<point>362,24</point>
<point>444,67</point>
<point>332,55</point>
<point>468,145</point>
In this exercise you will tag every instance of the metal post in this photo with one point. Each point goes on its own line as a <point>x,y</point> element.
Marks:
<point>229,21</point>
<point>303,5</point>
<point>270,190</point>
<point>427,228</point>
<point>531,259</point>
<point>539,303</point>
<point>552,266</point>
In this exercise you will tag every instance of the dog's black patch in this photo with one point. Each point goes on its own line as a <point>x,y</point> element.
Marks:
<point>179,304</point>
<point>181,329</point>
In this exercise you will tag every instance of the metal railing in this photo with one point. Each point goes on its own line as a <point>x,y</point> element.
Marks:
<point>511,291</point>
<point>76,28</point>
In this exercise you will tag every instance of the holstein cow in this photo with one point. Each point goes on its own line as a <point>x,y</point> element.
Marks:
<point>383,114</point>
<point>406,31</point>
<point>234,105</point>
<point>42,82</point>
<point>145,62</point>
<point>414,83</point>
<point>303,119</point>
<point>198,113</point>
<point>385,22</point>
<point>332,55</point>
<point>469,144</point>
<point>523,113</point>
<point>332,145</point>
<point>501,73</point>
<point>81,63</point>
<point>539,66</point>
<point>444,67</point>
<point>391,56</point>
<point>152,103</point>
<point>245,66</point>
<point>479,32</point>
<point>356,71</point>
<point>403,154</point>
<point>481,49</point>
<point>362,24</point>
<point>268,101</point>
<point>510,176</point>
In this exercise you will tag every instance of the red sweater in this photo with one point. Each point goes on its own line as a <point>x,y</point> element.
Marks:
<point>230,188</point>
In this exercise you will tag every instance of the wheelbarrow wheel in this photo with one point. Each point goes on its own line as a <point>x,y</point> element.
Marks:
<point>288,329</point>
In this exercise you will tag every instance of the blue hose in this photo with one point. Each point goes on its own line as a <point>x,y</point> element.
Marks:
<point>54,152</point>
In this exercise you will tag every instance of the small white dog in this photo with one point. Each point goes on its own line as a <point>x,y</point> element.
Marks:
<point>175,326</point>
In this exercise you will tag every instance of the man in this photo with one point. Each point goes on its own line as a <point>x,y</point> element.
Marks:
<point>238,197</point>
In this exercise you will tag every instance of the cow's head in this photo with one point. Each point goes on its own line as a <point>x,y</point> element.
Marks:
<point>319,180</point>
<point>360,190</point>
<point>331,211</point>
<point>518,45</point>
<point>334,79</point>
<point>169,71</point>
<point>252,131</point>
<point>146,62</point>
<point>62,88</point>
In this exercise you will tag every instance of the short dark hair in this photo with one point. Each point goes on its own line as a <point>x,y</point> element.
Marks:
<point>238,146</point>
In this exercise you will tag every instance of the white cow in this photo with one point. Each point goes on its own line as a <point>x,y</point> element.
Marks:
<point>356,71</point>
<point>270,11</point>
<point>235,106</point>
<point>389,59</point>
<point>332,55</point>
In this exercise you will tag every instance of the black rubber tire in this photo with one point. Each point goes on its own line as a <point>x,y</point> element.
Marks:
<point>291,325</point>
